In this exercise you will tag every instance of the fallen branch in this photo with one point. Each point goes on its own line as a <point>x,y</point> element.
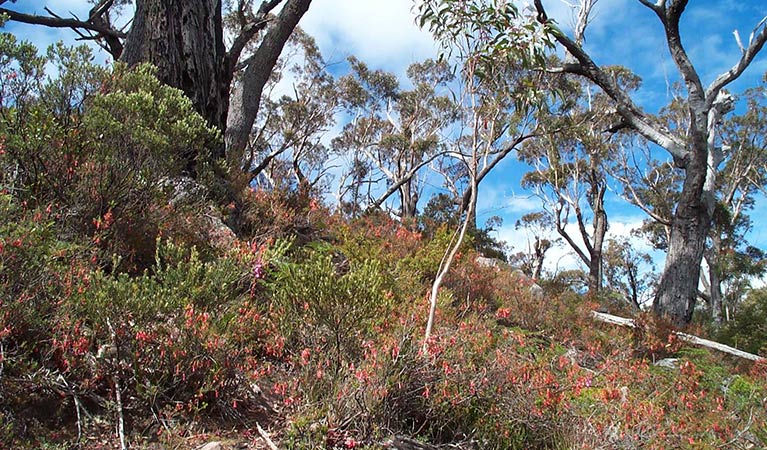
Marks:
<point>266,437</point>
<point>695,340</point>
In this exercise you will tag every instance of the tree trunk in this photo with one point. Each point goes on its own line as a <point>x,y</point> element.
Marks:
<point>678,287</point>
<point>600,230</point>
<point>184,39</point>
<point>408,200</point>
<point>539,250</point>
<point>714,281</point>
<point>246,95</point>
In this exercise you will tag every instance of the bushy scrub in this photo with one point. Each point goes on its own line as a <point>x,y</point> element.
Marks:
<point>37,270</point>
<point>328,303</point>
<point>142,136</point>
<point>748,328</point>
<point>105,147</point>
<point>166,334</point>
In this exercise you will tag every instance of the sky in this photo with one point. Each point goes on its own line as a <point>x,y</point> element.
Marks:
<point>383,34</point>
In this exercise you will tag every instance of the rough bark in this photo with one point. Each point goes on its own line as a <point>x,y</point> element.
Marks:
<point>678,287</point>
<point>246,95</point>
<point>540,247</point>
<point>184,39</point>
<point>408,200</point>
<point>600,225</point>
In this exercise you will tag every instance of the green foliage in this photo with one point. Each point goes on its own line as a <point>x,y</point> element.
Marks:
<point>36,270</point>
<point>502,31</point>
<point>748,328</point>
<point>102,145</point>
<point>328,302</point>
<point>172,335</point>
<point>141,135</point>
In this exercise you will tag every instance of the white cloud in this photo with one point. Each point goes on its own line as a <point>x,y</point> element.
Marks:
<point>523,203</point>
<point>381,33</point>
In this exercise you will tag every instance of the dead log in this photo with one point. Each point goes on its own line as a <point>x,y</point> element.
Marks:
<point>689,338</point>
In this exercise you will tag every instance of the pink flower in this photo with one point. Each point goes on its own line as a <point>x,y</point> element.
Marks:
<point>305,355</point>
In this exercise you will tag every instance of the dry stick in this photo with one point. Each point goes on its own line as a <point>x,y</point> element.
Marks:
<point>444,268</point>
<point>695,340</point>
<point>77,408</point>
<point>118,394</point>
<point>266,437</point>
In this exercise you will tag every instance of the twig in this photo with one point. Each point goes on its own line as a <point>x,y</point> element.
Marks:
<point>78,407</point>
<point>118,394</point>
<point>266,437</point>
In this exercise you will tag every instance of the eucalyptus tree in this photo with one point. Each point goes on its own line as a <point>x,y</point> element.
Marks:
<point>299,107</point>
<point>694,148</point>
<point>497,99</point>
<point>392,132</point>
<point>731,261</point>
<point>655,186</point>
<point>185,40</point>
<point>627,271</point>
<point>508,31</point>
<point>539,228</point>
<point>571,160</point>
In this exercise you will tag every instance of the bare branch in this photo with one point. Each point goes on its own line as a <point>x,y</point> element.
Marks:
<point>95,23</point>
<point>249,30</point>
<point>755,44</point>
<point>634,116</point>
<point>560,224</point>
<point>60,22</point>
<point>404,179</point>
<point>653,6</point>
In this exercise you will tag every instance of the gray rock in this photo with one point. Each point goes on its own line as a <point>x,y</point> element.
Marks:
<point>215,445</point>
<point>488,262</point>
<point>668,363</point>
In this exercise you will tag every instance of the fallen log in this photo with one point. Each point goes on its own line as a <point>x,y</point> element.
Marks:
<point>695,340</point>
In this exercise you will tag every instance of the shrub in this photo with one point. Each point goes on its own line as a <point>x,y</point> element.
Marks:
<point>140,135</point>
<point>748,328</point>
<point>165,333</point>
<point>328,303</point>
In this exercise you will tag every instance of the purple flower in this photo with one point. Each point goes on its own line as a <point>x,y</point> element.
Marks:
<point>258,271</point>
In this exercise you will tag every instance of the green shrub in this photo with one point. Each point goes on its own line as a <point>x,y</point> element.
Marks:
<point>748,328</point>
<point>326,302</point>
<point>171,327</point>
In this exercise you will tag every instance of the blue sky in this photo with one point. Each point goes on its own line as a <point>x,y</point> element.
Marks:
<point>383,34</point>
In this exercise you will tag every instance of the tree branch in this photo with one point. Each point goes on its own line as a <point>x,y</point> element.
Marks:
<point>404,179</point>
<point>670,18</point>
<point>633,115</point>
<point>754,46</point>
<point>562,232</point>
<point>249,30</point>
<point>61,22</point>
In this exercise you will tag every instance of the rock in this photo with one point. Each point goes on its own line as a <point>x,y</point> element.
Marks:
<point>488,262</point>
<point>668,363</point>
<point>215,445</point>
<point>218,234</point>
<point>405,443</point>
<point>536,291</point>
